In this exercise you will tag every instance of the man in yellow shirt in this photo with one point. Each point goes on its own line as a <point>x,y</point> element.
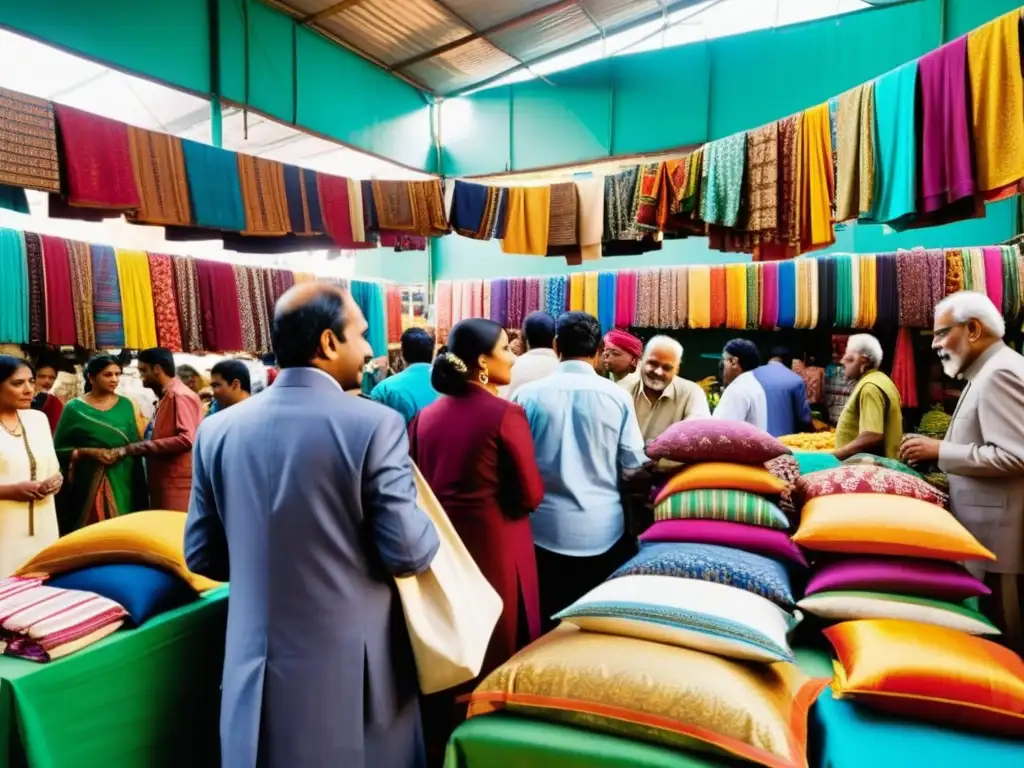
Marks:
<point>872,421</point>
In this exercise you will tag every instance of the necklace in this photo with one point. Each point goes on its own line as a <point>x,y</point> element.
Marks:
<point>16,432</point>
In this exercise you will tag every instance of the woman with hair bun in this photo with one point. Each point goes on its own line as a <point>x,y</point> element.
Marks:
<point>476,452</point>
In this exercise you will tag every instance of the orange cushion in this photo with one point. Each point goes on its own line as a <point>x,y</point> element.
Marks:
<point>715,475</point>
<point>925,672</point>
<point>876,524</point>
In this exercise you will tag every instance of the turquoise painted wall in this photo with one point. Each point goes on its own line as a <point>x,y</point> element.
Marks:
<point>339,94</point>
<point>662,100</point>
<point>411,267</point>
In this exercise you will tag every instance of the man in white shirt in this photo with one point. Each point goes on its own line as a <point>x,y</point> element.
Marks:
<point>540,359</point>
<point>743,398</point>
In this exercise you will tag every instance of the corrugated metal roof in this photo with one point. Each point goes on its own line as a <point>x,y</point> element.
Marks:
<point>546,35</point>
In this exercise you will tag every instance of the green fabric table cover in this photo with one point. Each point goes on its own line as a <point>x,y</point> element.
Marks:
<point>815,461</point>
<point>147,697</point>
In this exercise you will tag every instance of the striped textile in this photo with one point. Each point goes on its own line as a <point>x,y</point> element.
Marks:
<point>717,504</point>
<point>106,298</point>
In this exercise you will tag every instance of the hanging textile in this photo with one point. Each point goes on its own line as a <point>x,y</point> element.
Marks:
<point>682,277</point>
<point>904,370</point>
<point>647,197</point>
<point>28,154</point>
<point>14,289</point>
<point>868,312</point>
<point>968,258</point>
<point>218,301</point>
<point>337,211</point>
<point>763,180</point>
<point>36,288</point>
<point>371,223</point>
<point>954,271</point>
<point>302,196</point>
<point>516,302</point>
<point>370,298</point>
<point>590,295</point>
<point>394,205</point>
<point>736,296</point>
<point>993,259</point>
<point>561,237</point>
<point>136,299</point>
<point>97,161</point>
<point>260,310</point>
<point>590,209</point>
<point>526,229</point>
<point>393,298</point>
<point>486,303</point>
<point>855,134</point>
<point>855,278</point>
<point>554,296</point>
<point>769,318</point>
<point>214,187</point>
<point>936,282</point>
<point>158,164</point>
<point>165,302</point>
<point>843,291</point>
<point>443,309</point>
<point>819,184</point>
<point>263,196</point>
<point>245,309</point>
<point>625,299</point>
<point>914,290</point>
<point>833,117</point>
<point>699,296</point>
<point>534,295</point>
<point>355,211</point>
<point>106,298</point>
<point>719,306</point>
<point>428,208</point>
<point>888,296</point>
<point>826,293</point>
<point>754,297</point>
<point>60,313</point>
<point>619,194</point>
<point>802,315</point>
<point>790,208</point>
<point>993,55</point>
<point>1011,282</point>
<point>787,294</point>
<point>458,288</point>
<point>606,300</point>
<point>978,277</point>
<point>647,309</point>
<point>1020,271</point>
<point>667,302</point>
<point>896,147</point>
<point>472,299</point>
<point>473,209</point>
<point>80,264</point>
<point>499,302</point>
<point>576,288</point>
<point>722,185</point>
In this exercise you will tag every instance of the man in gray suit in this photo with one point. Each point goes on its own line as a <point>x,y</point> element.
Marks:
<point>304,498</point>
<point>983,453</point>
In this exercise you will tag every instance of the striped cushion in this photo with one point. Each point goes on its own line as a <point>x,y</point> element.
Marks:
<point>734,506</point>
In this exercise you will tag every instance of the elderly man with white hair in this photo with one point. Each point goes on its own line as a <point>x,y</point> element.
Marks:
<point>983,452</point>
<point>660,395</point>
<point>872,421</point>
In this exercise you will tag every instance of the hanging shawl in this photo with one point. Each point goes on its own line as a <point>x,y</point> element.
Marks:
<point>736,296</point>
<point>561,237</point>
<point>106,297</point>
<point>165,301</point>
<point>221,313</point>
<point>904,371</point>
<point>30,157</point>
<point>60,311</point>
<point>80,264</point>
<point>699,297</point>
<point>606,300</point>
<point>263,196</point>
<point>534,296</point>
<point>888,297</point>
<point>993,259</point>
<point>993,56</point>
<point>787,294</point>
<point>722,185</point>
<point>954,271</point>
<point>394,313</point>
<point>355,211</point>
<point>802,319</point>
<point>1020,271</point>
<point>337,212</point>
<point>516,302</point>
<point>843,291</point>
<point>969,274</point>
<point>590,201</point>
<point>471,291</point>
<point>855,279</point>
<point>753,274</point>
<point>470,206</point>
<point>719,306</point>
<point>554,296</point>
<point>826,293</point>
<point>668,304</point>
<point>1011,282</point>
<point>214,187</point>
<point>97,161</point>
<point>868,312</point>
<point>458,288</point>
<point>590,296</point>
<point>915,294</point>
<point>576,288</point>
<point>14,288</point>
<point>647,310</point>
<point>625,299</point>
<point>818,181</point>
<point>769,296</point>
<point>245,309</point>
<point>394,205</point>
<point>763,180</point>
<point>261,312</point>
<point>936,282</point>
<point>526,228</point>
<point>428,208</point>
<point>499,302</point>
<point>647,197</point>
<point>36,288</point>
<point>371,224</point>
<point>619,194</point>
<point>896,145</point>
<point>855,135</point>
<point>443,309</point>
<point>486,303</point>
<point>158,164</point>
<point>978,277</point>
<point>682,276</point>
<point>136,298</point>
<point>302,195</point>
<point>790,160</point>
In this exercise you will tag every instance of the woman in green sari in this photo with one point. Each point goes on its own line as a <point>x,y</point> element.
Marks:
<point>99,483</point>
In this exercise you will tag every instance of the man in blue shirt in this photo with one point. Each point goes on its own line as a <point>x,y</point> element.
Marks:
<point>586,435</point>
<point>409,392</point>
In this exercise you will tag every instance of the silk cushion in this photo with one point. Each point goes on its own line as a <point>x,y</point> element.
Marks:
<point>930,673</point>
<point>144,591</point>
<point>865,478</point>
<point>696,440</point>
<point>733,506</point>
<point>905,576</point>
<point>146,538</point>
<point>719,476</point>
<point>657,693</point>
<point>854,604</point>
<point>711,562</point>
<point>876,524</point>
<point>881,461</point>
<point>752,538</point>
<point>702,615</point>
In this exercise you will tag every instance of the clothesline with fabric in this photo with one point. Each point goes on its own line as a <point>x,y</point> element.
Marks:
<point>833,291</point>
<point>897,151</point>
<point>57,292</point>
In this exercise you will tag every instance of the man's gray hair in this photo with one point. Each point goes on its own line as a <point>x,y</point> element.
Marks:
<point>972,305</point>
<point>867,345</point>
<point>664,341</point>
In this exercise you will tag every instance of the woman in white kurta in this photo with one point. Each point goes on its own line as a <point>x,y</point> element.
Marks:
<point>29,472</point>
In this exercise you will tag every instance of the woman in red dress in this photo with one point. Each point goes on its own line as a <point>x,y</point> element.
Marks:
<point>476,452</point>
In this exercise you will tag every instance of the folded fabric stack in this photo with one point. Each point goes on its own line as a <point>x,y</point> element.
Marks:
<point>686,645</point>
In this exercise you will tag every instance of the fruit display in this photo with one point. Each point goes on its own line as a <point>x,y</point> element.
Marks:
<point>935,423</point>
<point>818,441</point>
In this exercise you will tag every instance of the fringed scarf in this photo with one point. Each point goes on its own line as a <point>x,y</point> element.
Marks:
<point>106,295</point>
<point>263,196</point>
<point>14,288</point>
<point>29,158</point>
<point>165,302</point>
<point>158,163</point>
<point>302,196</point>
<point>97,161</point>
<point>36,288</point>
<point>80,261</point>
<point>214,187</point>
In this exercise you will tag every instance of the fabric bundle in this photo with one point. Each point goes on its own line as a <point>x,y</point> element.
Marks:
<point>218,302</point>
<point>14,291</point>
<point>97,161</point>
<point>302,196</point>
<point>606,300</point>
<point>719,307</point>
<point>590,200</point>
<point>527,221</point>
<point>722,183</point>
<point>896,148</point>
<point>158,163</point>
<point>736,296</point>
<point>136,299</point>
<point>214,187</point>
<point>855,178</point>
<point>625,299</point>
<point>699,297</point>
<point>263,196</point>
<point>190,316</point>
<point>29,155</point>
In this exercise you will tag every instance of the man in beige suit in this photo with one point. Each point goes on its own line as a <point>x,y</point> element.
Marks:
<point>983,453</point>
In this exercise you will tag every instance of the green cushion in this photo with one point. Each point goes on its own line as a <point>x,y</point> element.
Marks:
<point>815,461</point>
<point>734,506</point>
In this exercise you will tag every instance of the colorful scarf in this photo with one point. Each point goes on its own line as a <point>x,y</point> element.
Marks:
<point>60,312</point>
<point>896,147</point>
<point>534,299</point>
<point>590,202</point>
<point>394,204</point>
<point>97,161</point>
<point>722,185</point>
<point>186,284</point>
<point>158,163</point>
<point>954,271</point>
<point>818,181</point>
<point>1011,282</point>
<point>218,301</point>
<point>619,194</point>
<point>245,309</point>
<point>576,292</point>
<point>844,291</point>
<point>855,135</point>
<point>562,218</point>
<point>699,297</point>
<point>165,301</point>
<point>80,266</point>
<point>30,157</point>
<point>647,310</point>
<point>528,220</point>
<point>754,297</point>
<point>682,276</point>
<point>787,294</point>
<point>826,293</point>
<point>302,196</point>
<point>993,260</point>
<point>718,297</point>
<point>647,197</point>
<point>668,304</point>
<point>336,211</point>
<point>736,296</point>
<point>904,372</point>
<point>14,288</point>
<point>106,293</point>
<point>428,208</point>
<point>915,296</point>
<point>261,312</point>
<point>554,296</point>
<point>787,241</point>
<point>625,299</point>
<point>868,312</point>
<point>769,296</point>
<point>516,302</point>
<point>499,302</point>
<point>443,309</point>
<point>606,300</point>
<point>763,180</point>
<point>888,295</point>
<point>214,187</point>
<point>936,282</point>
<point>263,196</point>
<point>136,298</point>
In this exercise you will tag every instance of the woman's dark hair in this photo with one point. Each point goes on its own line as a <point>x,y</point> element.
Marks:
<point>578,335</point>
<point>97,365</point>
<point>746,352</point>
<point>295,333</point>
<point>456,363</point>
<point>9,365</point>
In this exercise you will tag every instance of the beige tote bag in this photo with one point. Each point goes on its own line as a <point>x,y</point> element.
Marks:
<point>451,609</point>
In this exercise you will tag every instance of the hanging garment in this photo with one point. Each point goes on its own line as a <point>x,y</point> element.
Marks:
<point>158,163</point>
<point>186,285</point>
<point>736,296</point>
<point>1011,282</point>
<point>978,276</point>
<point>394,311</point>
<point>80,264</point>
<point>993,258</point>
<point>554,296</point>
<point>561,237</point>
<point>576,291</point>
<point>625,299</point>
<point>682,276</point>
<point>355,211</point>
<point>699,297</point>
<point>470,203</point>
<point>969,275</point>
<point>896,144</point>
<point>136,299</point>
<point>165,301</point>
<point>590,294</point>
<point>787,241</point>
<point>443,309</point>
<point>428,208</point>
<point>516,302</point>
<point>499,302</point>
<point>97,161</point>
<point>245,309</point>
<point>916,306</point>
<point>261,312</point>
<point>263,196</point>
<point>826,293</point>
<point>534,296</point>
<point>590,205</point>
<point>722,185</point>
<point>529,212</point>
<point>218,300</point>
<point>888,296</point>
<point>606,300</point>
<point>855,277</point>
<point>486,303</point>
<point>802,316</point>
<point>763,180</point>
<point>904,370</point>
<point>855,135</point>
<point>997,99</point>
<point>36,288</point>
<point>769,319</point>
<point>106,295</point>
<point>787,294</point>
<point>936,282</point>
<point>60,311</point>
<point>819,184</point>
<point>719,297</point>
<point>844,291</point>
<point>472,295</point>
<point>394,205</point>
<point>668,305</point>
<point>303,198</point>
<point>868,312</point>
<point>337,211</point>
<point>647,197</point>
<point>214,187</point>
<point>30,156</point>
<point>14,290</point>
<point>619,195</point>
<point>458,288</point>
<point>954,271</point>
<point>754,297</point>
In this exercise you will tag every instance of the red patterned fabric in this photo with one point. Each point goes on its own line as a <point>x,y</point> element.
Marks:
<point>165,301</point>
<point>866,479</point>
<point>97,161</point>
<point>786,468</point>
<point>60,305</point>
<point>703,440</point>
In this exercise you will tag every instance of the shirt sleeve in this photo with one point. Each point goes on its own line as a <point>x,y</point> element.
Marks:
<point>187,414</point>
<point>871,404</point>
<point>1001,418</point>
<point>631,441</point>
<point>206,544</point>
<point>734,405</point>
<point>519,468</point>
<point>697,407</point>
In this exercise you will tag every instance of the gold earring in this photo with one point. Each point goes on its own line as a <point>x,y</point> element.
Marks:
<point>484,378</point>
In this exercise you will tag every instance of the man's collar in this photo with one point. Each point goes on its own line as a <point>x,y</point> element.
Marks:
<point>975,368</point>
<point>541,352</point>
<point>576,366</point>
<point>668,393</point>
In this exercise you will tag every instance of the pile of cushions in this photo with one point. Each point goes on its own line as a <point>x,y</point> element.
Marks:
<point>686,645</point>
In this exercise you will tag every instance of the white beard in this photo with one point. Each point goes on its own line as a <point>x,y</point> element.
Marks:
<point>952,365</point>
<point>656,385</point>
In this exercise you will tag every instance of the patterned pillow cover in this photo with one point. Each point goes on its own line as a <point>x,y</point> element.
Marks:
<point>866,459</point>
<point>731,506</point>
<point>698,440</point>
<point>866,478</point>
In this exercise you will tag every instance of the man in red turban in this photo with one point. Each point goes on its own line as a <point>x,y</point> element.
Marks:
<point>622,353</point>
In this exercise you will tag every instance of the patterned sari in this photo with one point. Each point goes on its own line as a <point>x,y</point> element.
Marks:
<point>93,491</point>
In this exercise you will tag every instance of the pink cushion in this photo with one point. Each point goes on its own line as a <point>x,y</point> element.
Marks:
<point>905,576</point>
<point>699,440</point>
<point>752,538</point>
<point>865,478</point>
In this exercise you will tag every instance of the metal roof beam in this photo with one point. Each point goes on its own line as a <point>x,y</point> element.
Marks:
<point>329,11</point>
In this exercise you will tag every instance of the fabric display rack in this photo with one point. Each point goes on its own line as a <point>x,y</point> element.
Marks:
<point>59,292</point>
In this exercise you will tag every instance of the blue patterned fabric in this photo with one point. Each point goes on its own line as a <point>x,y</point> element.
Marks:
<point>606,300</point>
<point>214,187</point>
<point>554,296</point>
<point>141,590</point>
<point>710,562</point>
